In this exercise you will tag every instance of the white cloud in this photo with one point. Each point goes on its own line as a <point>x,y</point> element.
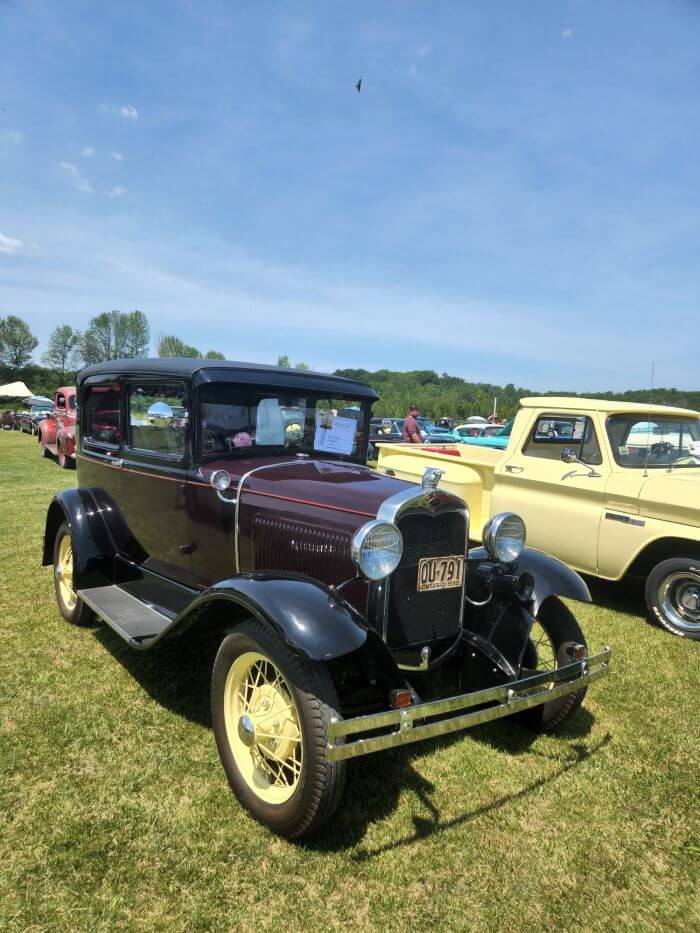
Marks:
<point>115,192</point>
<point>88,151</point>
<point>118,156</point>
<point>79,180</point>
<point>11,246</point>
<point>567,33</point>
<point>129,111</point>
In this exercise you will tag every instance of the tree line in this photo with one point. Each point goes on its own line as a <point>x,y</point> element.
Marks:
<point>111,335</point>
<point>118,335</point>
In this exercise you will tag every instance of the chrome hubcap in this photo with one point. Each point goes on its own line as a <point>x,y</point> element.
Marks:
<point>679,599</point>
<point>246,731</point>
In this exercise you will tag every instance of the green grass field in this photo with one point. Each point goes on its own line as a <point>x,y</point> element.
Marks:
<point>115,813</point>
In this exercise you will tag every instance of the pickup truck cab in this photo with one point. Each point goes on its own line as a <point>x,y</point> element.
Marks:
<point>610,488</point>
<point>232,500</point>
<point>56,432</point>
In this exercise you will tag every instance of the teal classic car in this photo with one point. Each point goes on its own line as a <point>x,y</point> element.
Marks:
<point>489,436</point>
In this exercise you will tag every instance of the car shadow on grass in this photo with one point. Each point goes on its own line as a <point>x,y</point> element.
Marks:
<point>375,783</point>
<point>626,596</point>
<point>177,676</point>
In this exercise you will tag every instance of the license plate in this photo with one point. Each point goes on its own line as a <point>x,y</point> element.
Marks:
<point>440,573</point>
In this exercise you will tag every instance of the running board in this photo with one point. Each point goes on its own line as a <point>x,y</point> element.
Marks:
<point>134,621</point>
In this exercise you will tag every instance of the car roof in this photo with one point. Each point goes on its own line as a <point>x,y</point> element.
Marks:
<point>551,402</point>
<point>205,371</point>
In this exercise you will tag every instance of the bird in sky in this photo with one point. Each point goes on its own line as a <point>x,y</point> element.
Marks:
<point>358,86</point>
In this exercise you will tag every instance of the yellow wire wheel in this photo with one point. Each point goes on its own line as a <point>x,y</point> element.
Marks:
<point>271,708</point>
<point>63,570</point>
<point>263,727</point>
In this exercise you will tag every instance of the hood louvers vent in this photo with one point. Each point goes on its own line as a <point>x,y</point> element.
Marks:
<point>279,544</point>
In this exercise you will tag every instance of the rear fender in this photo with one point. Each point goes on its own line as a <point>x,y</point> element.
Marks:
<point>47,431</point>
<point>93,548</point>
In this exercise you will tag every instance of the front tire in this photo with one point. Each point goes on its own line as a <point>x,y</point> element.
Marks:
<point>554,631</point>
<point>673,596</point>
<point>70,605</point>
<point>64,461</point>
<point>270,711</point>
<point>45,452</point>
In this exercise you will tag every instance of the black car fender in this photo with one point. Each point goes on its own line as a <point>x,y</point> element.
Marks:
<point>311,617</point>
<point>93,548</point>
<point>551,576</point>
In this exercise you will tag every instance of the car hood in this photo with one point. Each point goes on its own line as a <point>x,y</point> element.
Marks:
<point>345,487</point>
<point>673,497</point>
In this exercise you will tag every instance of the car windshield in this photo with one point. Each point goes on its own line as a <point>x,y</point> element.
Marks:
<point>639,442</point>
<point>239,421</point>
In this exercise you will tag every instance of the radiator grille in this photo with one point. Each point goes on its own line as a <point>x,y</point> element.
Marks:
<point>279,544</point>
<point>420,618</point>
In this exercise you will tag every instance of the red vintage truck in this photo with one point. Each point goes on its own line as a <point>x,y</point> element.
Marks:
<point>57,432</point>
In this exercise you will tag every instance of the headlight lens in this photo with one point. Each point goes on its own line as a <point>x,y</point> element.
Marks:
<point>504,537</point>
<point>376,549</point>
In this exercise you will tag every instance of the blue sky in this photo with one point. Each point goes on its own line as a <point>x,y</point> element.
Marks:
<point>513,197</point>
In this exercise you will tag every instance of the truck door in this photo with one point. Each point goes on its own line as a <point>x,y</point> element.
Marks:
<point>561,503</point>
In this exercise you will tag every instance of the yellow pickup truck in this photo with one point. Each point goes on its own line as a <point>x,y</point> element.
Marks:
<point>610,488</point>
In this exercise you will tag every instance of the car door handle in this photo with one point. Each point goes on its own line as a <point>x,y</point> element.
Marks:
<point>115,462</point>
<point>514,469</point>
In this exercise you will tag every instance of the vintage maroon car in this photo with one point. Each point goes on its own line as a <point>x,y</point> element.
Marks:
<point>56,432</point>
<point>351,614</point>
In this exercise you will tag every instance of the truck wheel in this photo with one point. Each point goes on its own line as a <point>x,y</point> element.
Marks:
<point>555,629</point>
<point>71,607</point>
<point>673,596</point>
<point>64,461</point>
<point>270,711</point>
<point>45,452</point>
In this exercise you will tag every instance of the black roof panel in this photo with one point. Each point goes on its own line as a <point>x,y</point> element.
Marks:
<point>203,371</point>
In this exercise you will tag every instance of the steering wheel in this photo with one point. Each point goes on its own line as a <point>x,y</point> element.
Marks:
<point>661,449</point>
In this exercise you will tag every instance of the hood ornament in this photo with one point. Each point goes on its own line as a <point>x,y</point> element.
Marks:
<point>431,478</point>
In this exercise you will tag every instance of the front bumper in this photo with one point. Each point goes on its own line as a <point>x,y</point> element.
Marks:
<point>401,726</point>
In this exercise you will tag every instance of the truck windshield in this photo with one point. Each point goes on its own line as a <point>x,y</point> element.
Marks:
<point>242,421</point>
<point>639,442</point>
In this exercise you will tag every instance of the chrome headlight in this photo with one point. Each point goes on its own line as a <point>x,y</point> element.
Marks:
<point>504,537</point>
<point>376,549</point>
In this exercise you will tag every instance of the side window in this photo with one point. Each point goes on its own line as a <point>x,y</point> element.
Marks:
<point>158,419</point>
<point>60,401</point>
<point>552,433</point>
<point>100,415</point>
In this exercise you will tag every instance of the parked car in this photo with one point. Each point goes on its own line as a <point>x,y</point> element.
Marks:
<point>350,615</point>
<point>383,431</point>
<point>492,435</point>
<point>28,421</point>
<point>471,428</point>
<point>7,420</point>
<point>56,432</point>
<point>610,488</point>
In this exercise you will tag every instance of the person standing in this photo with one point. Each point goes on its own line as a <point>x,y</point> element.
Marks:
<point>411,428</point>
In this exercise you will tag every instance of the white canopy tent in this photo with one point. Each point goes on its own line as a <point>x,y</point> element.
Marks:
<point>15,390</point>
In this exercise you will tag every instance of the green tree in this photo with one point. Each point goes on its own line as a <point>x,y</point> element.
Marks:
<point>214,355</point>
<point>17,342</point>
<point>61,349</point>
<point>169,345</point>
<point>283,361</point>
<point>301,365</point>
<point>115,335</point>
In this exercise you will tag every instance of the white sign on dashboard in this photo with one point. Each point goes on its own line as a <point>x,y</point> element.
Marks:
<point>333,434</point>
